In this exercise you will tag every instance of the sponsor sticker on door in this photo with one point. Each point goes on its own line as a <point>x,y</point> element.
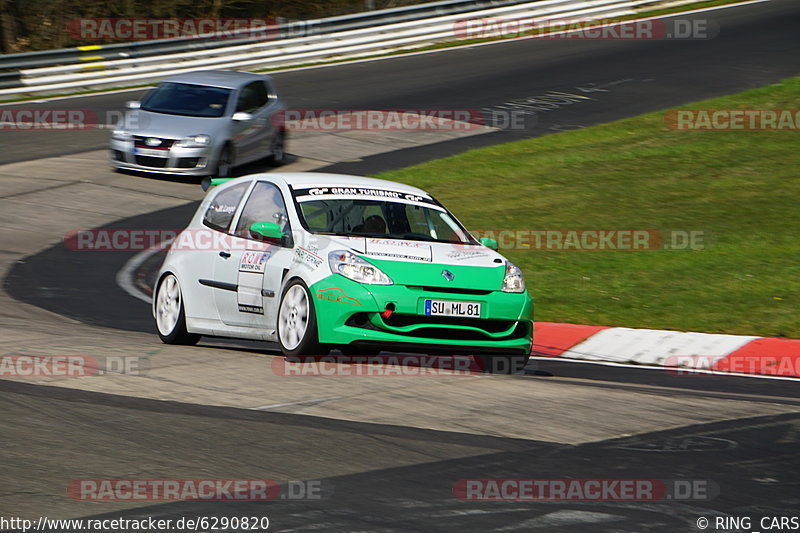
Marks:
<point>254,262</point>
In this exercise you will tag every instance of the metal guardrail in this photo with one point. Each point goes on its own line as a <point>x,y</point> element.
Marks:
<point>343,37</point>
<point>325,25</point>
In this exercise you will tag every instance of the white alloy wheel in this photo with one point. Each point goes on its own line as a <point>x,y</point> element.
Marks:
<point>168,305</point>
<point>293,317</point>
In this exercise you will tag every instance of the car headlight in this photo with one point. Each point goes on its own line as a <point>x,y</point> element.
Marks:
<point>122,136</point>
<point>194,141</point>
<point>513,282</point>
<point>353,267</point>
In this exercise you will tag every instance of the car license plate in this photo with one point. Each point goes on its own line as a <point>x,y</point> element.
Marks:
<point>448,308</point>
<point>150,152</point>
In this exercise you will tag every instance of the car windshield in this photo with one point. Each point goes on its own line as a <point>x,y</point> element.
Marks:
<point>187,100</point>
<point>382,218</point>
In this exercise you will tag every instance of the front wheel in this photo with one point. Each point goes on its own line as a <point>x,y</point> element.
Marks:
<point>503,364</point>
<point>297,321</point>
<point>170,315</point>
<point>224,166</point>
<point>278,148</point>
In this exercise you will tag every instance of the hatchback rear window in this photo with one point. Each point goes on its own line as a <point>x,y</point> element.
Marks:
<point>219,214</point>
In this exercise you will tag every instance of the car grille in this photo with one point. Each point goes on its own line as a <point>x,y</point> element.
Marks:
<point>450,290</point>
<point>164,144</point>
<point>154,162</point>
<point>462,334</point>
<point>492,326</point>
<point>521,330</point>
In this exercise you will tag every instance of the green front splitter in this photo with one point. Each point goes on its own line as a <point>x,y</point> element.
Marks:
<point>350,312</point>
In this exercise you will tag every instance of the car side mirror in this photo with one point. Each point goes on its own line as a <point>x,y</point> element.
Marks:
<point>241,116</point>
<point>133,104</point>
<point>489,243</point>
<point>269,231</point>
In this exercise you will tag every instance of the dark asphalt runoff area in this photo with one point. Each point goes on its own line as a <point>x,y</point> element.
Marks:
<point>744,467</point>
<point>749,465</point>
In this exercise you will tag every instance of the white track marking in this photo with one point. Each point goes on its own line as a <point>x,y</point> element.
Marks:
<point>125,277</point>
<point>411,54</point>
<point>304,402</point>
<point>655,347</point>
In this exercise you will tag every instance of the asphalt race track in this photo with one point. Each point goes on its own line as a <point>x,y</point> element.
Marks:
<point>757,45</point>
<point>746,464</point>
<point>397,477</point>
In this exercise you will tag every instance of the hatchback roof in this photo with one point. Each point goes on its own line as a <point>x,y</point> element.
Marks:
<point>227,79</point>
<point>310,179</point>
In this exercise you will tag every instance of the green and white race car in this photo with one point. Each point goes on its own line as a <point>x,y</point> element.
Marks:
<point>321,261</point>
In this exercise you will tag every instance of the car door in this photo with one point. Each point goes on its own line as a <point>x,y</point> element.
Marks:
<point>211,244</point>
<point>256,267</point>
<point>250,136</point>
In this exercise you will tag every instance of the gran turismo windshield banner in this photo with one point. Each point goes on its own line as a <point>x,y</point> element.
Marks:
<point>362,193</point>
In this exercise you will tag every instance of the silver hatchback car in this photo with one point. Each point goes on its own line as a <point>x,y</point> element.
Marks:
<point>202,123</point>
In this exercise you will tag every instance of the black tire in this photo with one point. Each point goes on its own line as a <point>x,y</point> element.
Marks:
<point>224,167</point>
<point>503,364</point>
<point>305,342</point>
<point>169,331</point>
<point>277,154</point>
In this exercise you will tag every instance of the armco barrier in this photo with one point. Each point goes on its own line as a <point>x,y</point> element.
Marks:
<point>376,32</point>
<point>82,54</point>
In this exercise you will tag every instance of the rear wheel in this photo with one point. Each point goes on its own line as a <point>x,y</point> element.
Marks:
<point>297,321</point>
<point>503,364</point>
<point>170,315</point>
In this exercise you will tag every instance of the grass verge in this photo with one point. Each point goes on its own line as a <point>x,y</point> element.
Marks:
<point>739,188</point>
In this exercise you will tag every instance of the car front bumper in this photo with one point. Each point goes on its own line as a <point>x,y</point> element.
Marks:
<point>350,313</point>
<point>184,161</point>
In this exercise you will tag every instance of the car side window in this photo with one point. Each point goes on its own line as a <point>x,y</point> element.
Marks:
<point>265,204</point>
<point>252,97</point>
<point>418,222</point>
<point>219,214</point>
<point>372,221</point>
